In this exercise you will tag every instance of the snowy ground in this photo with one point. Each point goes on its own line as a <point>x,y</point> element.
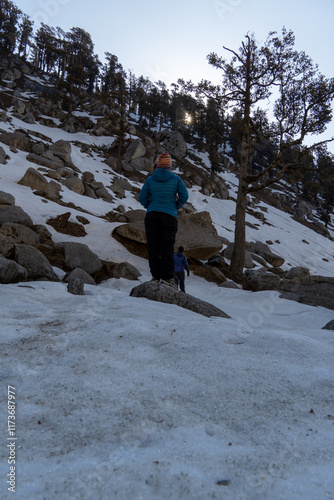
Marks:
<point>123,398</point>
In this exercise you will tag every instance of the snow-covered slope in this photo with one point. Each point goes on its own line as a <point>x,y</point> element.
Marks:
<point>123,398</point>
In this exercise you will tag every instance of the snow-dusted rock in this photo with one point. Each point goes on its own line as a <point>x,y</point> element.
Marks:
<point>76,286</point>
<point>170,295</point>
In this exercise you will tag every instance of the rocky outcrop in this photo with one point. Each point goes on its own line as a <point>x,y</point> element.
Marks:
<point>164,293</point>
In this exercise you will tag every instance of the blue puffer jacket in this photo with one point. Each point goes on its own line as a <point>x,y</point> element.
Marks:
<point>181,263</point>
<point>163,191</point>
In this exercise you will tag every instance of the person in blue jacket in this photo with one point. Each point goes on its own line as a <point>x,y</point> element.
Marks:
<point>180,265</point>
<point>162,195</point>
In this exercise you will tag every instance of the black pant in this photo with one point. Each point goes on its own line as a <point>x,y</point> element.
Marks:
<point>161,229</point>
<point>179,280</point>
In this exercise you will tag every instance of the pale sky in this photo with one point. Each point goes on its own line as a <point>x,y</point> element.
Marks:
<point>171,39</point>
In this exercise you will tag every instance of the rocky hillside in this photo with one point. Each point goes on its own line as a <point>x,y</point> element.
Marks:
<point>69,202</point>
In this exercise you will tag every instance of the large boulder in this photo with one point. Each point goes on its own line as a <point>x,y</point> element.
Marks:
<point>52,162</point>
<point>176,145</point>
<point>75,184</point>
<point>6,198</point>
<point>20,234</point>
<point>248,262</point>
<point>11,271</point>
<point>81,274</point>
<point>34,179</point>
<point>261,279</point>
<point>62,149</point>
<point>196,233</point>
<point>80,255</point>
<point>34,262</point>
<point>9,213</point>
<point>170,295</point>
<point>15,140</point>
<point>298,274</point>
<point>135,150</point>
<point>264,251</point>
<point>6,245</point>
<point>142,163</point>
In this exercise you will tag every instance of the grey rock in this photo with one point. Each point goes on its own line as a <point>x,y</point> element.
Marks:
<point>196,233</point>
<point>227,253</point>
<point>6,199</point>
<point>298,275</point>
<point>126,271</point>
<point>6,246</point>
<point>34,179</point>
<point>19,234</point>
<point>81,274</point>
<point>164,293</point>
<point>76,286</point>
<point>261,279</point>
<point>36,264</point>
<point>177,145</point>
<point>135,150</point>
<point>145,164</point>
<point>329,326</point>
<point>44,161</point>
<point>15,140</point>
<point>135,215</point>
<point>11,271</point>
<point>265,252</point>
<point>80,255</point>
<point>75,184</point>
<point>9,213</point>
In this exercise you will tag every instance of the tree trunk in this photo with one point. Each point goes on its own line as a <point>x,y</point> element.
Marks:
<point>239,248</point>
